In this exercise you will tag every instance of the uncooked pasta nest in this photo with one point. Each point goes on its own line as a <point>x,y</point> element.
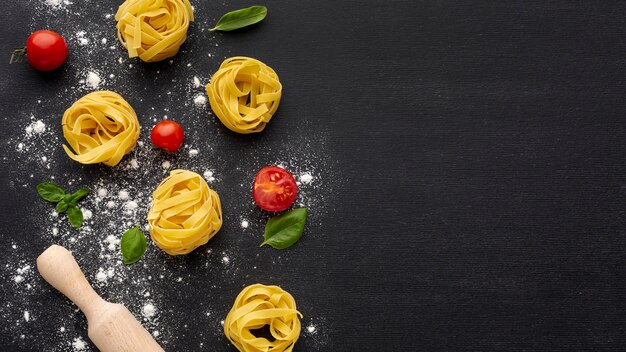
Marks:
<point>185,213</point>
<point>259,306</point>
<point>244,94</point>
<point>100,127</point>
<point>153,29</point>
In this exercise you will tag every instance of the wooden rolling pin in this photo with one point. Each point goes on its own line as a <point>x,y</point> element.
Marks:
<point>111,327</point>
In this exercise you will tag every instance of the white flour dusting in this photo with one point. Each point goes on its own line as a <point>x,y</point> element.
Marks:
<point>120,196</point>
<point>92,80</point>
<point>82,40</point>
<point>123,195</point>
<point>148,310</point>
<point>36,127</point>
<point>101,275</point>
<point>196,82</point>
<point>200,100</point>
<point>79,344</point>
<point>306,178</point>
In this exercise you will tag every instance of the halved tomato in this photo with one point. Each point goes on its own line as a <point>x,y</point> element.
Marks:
<point>274,188</point>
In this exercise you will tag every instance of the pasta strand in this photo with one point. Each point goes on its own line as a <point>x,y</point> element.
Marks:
<point>258,306</point>
<point>185,213</point>
<point>154,30</point>
<point>100,127</point>
<point>244,94</point>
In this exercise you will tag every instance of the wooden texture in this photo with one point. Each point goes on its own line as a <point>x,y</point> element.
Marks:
<point>112,328</point>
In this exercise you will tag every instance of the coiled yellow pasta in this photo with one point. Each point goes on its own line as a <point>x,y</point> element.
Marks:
<point>101,127</point>
<point>258,306</point>
<point>244,94</point>
<point>185,213</point>
<point>153,29</point>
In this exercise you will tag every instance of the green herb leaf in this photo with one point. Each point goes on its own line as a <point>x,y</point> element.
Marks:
<point>75,216</point>
<point>78,195</point>
<point>240,18</point>
<point>61,206</point>
<point>285,230</point>
<point>50,192</point>
<point>133,245</point>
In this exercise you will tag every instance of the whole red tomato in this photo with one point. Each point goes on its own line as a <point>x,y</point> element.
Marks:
<point>168,135</point>
<point>46,50</point>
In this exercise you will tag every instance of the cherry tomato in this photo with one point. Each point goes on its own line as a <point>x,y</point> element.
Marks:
<point>46,50</point>
<point>274,188</point>
<point>168,135</point>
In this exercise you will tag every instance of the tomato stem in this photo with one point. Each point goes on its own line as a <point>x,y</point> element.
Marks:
<point>18,55</point>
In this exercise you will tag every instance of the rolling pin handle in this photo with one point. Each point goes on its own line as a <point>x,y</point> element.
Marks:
<point>59,268</point>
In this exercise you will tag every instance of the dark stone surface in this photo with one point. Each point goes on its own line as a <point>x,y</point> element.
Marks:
<point>479,151</point>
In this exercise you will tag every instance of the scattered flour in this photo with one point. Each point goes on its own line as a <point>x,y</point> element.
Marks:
<point>306,178</point>
<point>200,100</point>
<point>82,40</point>
<point>57,4</point>
<point>148,310</point>
<point>79,344</point>
<point>101,276</point>
<point>131,205</point>
<point>112,242</point>
<point>102,192</point>
<point>87,214</point>
<point>37,127</point>
<point>92,80</point>
<point>96,245</point>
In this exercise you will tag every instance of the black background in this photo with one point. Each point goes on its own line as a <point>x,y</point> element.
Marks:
<point>478,148</point>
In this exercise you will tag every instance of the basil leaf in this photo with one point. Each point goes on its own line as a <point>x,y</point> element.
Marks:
<point>240,18</point>
<point>285,230</point>
<point>75,216</point>
<point>50,192</point>
<point>133,245</point>
<point>61,206</point>
<point>76,196</point>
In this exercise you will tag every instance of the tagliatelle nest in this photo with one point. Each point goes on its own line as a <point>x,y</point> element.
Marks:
<point>154,30</point>
<point>100,127</point>
<point>244,94</point>
<point>185,213</point>
<point>259,306</point>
